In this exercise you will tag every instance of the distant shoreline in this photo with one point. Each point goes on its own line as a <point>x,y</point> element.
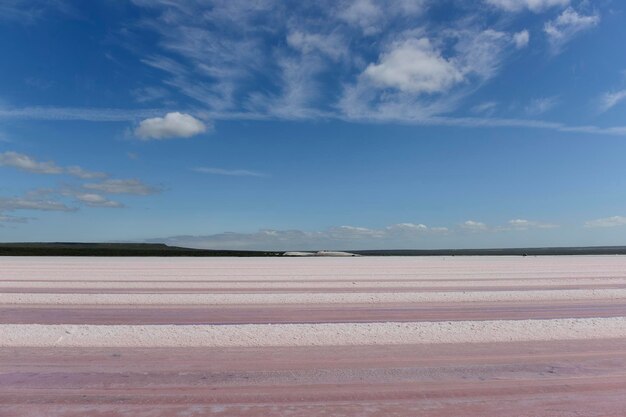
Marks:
<point>152,249</point>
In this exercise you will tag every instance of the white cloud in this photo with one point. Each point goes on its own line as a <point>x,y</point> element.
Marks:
<point>523,224</point>
<point>31,203</point>
<point>474,226</point>
<point>97,200</point>
<point>614,221</point>
<point>567,25</point>
<point>365,14</point>
<point>173,125</point>
<point>77,113</point>
<point>116,186</point>
<point>414,66</point>
<point>521,39</point>
<point>331,45</point>
<point>609,100</point>
<point>541,105</point>
<point>29,11</point>
<point>532,5</point>
<point>83,173</point>
<point>487,107</point>
<point>264,60</point>
<point>341,237</point>
<point>229,172</point>
<point>29,164</point>
<point>13,219</point>
<point>149,94</point>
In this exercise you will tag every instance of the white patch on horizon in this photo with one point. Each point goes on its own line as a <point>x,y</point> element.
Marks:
<point>614,221</point>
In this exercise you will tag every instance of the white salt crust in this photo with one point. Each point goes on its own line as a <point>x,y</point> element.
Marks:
<point>310,283</point>
<point>327,334</point>
<point>310,298</point>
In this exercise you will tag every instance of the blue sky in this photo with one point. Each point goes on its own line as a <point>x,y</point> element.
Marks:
<point>310,125</point>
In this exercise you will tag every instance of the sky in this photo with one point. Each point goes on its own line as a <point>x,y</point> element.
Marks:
<point>346,124</point>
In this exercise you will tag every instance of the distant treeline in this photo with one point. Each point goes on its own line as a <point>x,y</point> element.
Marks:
<point>116,249</point>
<point>591,250</point>
<point>157,249</point>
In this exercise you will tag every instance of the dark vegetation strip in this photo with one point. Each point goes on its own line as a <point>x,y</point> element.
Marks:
<point>156,249</point>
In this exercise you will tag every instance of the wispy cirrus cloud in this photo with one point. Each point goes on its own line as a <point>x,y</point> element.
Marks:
<point>123,186</point>
<point>541,105</point>
<point>566,26</point>
<point>78,113</point>
<point>611,99</point>
<point>355,60</point>
<point>29,11</point>
<point>532,5</point>
<point>229,172</point>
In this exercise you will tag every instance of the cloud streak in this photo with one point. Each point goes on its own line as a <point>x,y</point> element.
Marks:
<point>566,26</point>
<point>535,6</point>
<point>607,222</point>
<point>123,186</point>
<point>611,99</point>
<point>228,172</point>
<point>27,163</point>
<point>400,235</point>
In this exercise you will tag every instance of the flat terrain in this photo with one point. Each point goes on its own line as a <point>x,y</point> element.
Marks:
<point>369,336</point>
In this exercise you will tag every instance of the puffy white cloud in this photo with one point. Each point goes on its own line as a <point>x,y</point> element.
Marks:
<point>611,99</point>
<point>567,25</point>
<point>229,172</point>
<point>172,125</point>
<point>414,66</point>
<point>613,221</point>
<point>521,39</point>
<point>126,186</point>
<point>532,5</point>
<point>29,164</point>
